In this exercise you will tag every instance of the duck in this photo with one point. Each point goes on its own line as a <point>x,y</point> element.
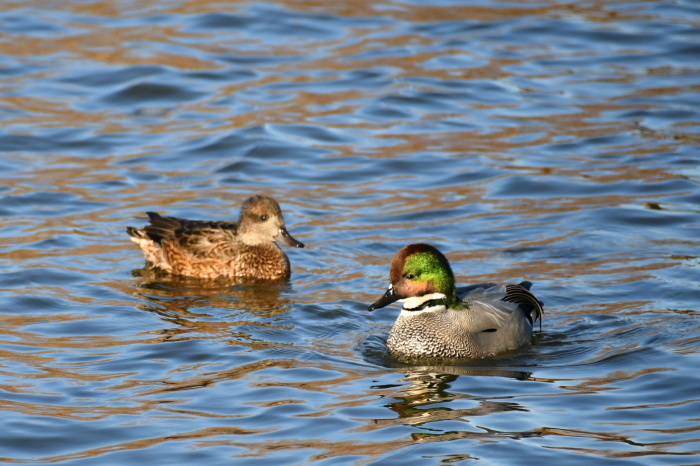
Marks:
<point>436,323</point>
<point>246,249</point>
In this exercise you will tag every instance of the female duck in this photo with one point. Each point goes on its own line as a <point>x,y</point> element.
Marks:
<point>243,249</point>
<point>434,323</point>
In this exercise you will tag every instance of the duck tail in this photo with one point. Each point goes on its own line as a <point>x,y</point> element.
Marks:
<point>134,232</point>
<point>520,294</point>
<point>161,228</point>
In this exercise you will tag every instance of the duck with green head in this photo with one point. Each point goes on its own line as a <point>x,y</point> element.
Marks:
<point>435,323</point>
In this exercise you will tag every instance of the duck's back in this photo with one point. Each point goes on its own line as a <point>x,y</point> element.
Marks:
<point>187,232</point>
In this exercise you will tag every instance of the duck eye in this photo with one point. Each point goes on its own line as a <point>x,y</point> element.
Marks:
<point>263,217</point>
<point>410,276</point>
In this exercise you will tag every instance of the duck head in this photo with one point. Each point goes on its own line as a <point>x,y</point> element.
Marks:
<point>261,222</point>
<point>420,274</point>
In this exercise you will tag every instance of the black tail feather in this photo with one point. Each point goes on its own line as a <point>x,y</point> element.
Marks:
<point>521,295</point>
<point>134,232</point>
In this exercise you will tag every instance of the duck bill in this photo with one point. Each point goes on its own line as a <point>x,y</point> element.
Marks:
<point>389,297</point>
<point>285,238</point>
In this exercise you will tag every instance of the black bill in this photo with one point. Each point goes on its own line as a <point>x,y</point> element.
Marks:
<point>389,297</point>
<point>284,237</point>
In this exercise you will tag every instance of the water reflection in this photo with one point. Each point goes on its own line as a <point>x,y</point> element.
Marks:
<point>239,311</point>
<point>264,296</point>
<point>428,386</point>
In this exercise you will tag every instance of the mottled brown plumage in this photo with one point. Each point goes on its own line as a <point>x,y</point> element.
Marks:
<point>212,249</point>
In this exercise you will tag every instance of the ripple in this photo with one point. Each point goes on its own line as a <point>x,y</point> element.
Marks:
<point>151,92</point>
<point>554,142</point>
<point>114,77</point>
<point>266,21</point>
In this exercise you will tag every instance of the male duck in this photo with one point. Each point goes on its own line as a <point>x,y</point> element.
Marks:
<point>243,249</point>
<point>434,323</point>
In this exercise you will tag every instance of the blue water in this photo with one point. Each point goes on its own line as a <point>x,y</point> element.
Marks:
<point>550,141</point>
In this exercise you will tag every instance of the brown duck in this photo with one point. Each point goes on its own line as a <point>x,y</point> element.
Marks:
<point>204,249</point>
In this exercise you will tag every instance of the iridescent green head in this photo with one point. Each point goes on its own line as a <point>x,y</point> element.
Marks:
<point>417,270</point>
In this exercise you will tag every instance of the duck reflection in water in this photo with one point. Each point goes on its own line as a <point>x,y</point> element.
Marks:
<point>430,386</point>
<point>220,308</point>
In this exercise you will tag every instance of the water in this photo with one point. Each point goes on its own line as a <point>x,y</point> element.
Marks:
<point>551,141</point>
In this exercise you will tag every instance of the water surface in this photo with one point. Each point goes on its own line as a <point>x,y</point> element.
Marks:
<point>551,141</point>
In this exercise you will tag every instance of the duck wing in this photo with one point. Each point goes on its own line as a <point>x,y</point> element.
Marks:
<point>490,299</point>
<point>194,236</point>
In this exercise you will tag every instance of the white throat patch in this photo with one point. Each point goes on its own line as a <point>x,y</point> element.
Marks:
<point>417,301</point>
